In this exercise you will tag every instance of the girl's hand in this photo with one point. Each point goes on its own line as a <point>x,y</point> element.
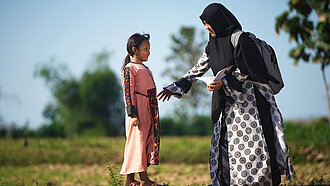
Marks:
<point>135,121</point>
<point>215,85</point>
<point>165,94</point>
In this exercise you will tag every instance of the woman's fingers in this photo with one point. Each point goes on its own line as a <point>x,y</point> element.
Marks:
<point>215,85</point>
<point>164,95</point>
<point>208,88</point>
<point>161,94</point>
<point>211,86</point>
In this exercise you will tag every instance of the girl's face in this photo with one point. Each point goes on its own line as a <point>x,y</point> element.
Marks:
<point>210,29</point>
<point>143,52</point>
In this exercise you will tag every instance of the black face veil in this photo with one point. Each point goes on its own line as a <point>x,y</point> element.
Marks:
<point>221,19</point>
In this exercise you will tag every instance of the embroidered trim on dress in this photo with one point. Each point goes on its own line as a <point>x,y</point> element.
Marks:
<point>131,110</point>
<point>153,106</point>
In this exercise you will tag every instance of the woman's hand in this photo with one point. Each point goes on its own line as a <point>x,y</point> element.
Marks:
<point>165,94</point>
<point>135,121</point>
<point>215,85</point>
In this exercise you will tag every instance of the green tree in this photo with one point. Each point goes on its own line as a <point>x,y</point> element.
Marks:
<point>90,105</point>
<point>54,127</point>
<point>186,49</point>
<point>3,128</point>
<point>311,35</point>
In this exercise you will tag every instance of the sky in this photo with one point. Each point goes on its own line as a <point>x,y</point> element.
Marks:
<point>32,32</point>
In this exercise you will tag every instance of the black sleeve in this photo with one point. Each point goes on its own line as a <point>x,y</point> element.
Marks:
<point>129,88</point>
<point>207,49</point>
<point>248,59</point>
<point>186,81</point>
<point>184,84</point>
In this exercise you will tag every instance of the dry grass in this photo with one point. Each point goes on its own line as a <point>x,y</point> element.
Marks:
<point>171,174</point>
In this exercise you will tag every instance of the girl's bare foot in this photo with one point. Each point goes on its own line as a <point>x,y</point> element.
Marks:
<point>145,181</point>
<point>132,183</point>
<point>148,183</point>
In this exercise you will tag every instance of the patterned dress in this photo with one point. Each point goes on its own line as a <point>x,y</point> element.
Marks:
<point>248,144</point>
<point>142,142</point>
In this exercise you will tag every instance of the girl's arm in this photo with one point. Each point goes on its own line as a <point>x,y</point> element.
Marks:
<point>129,88</point>
<point>183,85</point>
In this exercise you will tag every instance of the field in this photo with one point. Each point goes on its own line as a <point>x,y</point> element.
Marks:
<point>184,160</point>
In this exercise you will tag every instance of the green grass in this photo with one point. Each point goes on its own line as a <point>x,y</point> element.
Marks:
<point>183,160</point>
<point>70,151</point>
<point>57,174</point>
<point>308,142</point>
<point>96,150</point>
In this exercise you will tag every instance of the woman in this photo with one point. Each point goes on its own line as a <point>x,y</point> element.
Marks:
<point>248,144</point>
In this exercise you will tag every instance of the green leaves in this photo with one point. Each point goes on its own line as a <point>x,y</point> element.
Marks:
<point>312,42</point>
<point>298,53</point>
<point>303,7</point>
<point>281,22</point>
<point>89,105</point>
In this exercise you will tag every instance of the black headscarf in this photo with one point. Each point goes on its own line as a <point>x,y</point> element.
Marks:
<point>222,54</point>
<point>221,19</point>
<point>219,48</point>
<point>245,56</point>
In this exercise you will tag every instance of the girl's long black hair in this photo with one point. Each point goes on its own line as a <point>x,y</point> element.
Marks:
<point>136,41</point>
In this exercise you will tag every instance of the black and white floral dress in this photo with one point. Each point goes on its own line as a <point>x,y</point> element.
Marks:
<point>248,144</point>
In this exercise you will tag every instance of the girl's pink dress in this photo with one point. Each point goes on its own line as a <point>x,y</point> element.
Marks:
<point>142,142</point>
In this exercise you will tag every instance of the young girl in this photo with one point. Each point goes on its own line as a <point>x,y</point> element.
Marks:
<point>141,121</point>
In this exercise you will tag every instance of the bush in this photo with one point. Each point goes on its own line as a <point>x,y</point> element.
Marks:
<point>308,140</point>
<point>53,130</point>
<point>114,178</point>
<point>198,125</point>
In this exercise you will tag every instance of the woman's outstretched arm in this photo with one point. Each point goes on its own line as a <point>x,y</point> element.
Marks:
<point>183,85</point>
